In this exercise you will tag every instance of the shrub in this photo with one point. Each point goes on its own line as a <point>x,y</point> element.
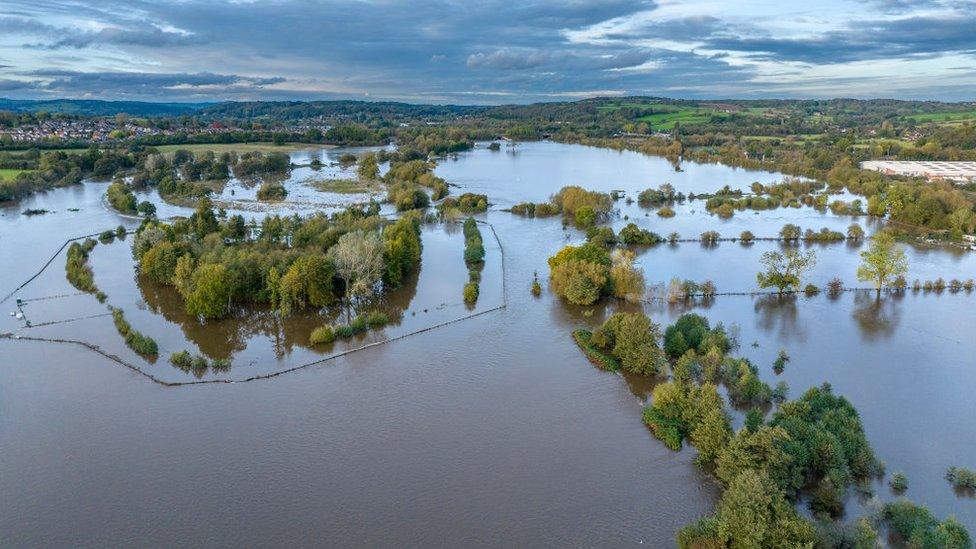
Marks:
<point>811,290</point>
<point>666,212</point>
<point>182,360</point>
<point>633,235</point>
<point>632,338</point>
<point>898,482</point>
<point>855,232</point>
<point>709,238</point>
<point>602,360</point>
<point>916,525</point>
<point>471,293</point>
<point>747,237</point>
<point>272,191</point>
<point>322,334</point>
<point>136,341</point>
<point>585,217</point>
<point>106,236</point>
<point>536,288</point>
<point>673,238</point>
<point>474,275</point>
<point>962,478</point>
<point>835,287</point>
<point>790,233</point>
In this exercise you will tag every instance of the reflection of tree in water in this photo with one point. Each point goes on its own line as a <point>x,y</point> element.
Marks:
<point>779,313</point>
<point>222,339</point>
<point>877,315</point>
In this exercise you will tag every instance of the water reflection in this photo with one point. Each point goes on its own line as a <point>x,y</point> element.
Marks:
<point>780,314</point>
<point>222,339</point>
<point>877,314</point>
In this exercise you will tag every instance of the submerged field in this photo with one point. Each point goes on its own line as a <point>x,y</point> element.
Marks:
<point>495,429</point>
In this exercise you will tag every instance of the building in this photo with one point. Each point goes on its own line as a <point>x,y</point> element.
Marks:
<point>957,172</point>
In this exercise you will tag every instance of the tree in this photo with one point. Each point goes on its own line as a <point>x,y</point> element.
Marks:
<point>369,169</point>
<point>209,292</point>
<point>358,261</point>
<point>785,270</point>
<point>580,282</point>
<point>882,261</point>
<point>633,339</point>
<point>627,281</point>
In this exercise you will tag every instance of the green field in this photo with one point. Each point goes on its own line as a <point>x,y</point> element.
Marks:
<point>10,174</point>
<point>219,148</point>
<point>942,117</point>
<point>342,186</point>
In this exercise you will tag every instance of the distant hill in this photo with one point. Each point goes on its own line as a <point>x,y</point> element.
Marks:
<point>88,107</point>
<point>296,110</point>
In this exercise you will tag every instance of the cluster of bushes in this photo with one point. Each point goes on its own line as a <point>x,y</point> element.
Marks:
<point>824,235</point>
<point>466,203</point>
<point>474,256</point>
<point>408,178</point>
<point>939,285</point>
<point>962,478</point>
<point>665,194</point>
<point>581,274</point>
<point>919,528</point>
<point>76,267</point>
<point>120,196</point>
<point>294,263</point>
<point>329,333</point>
<point>182,174</point>
<point>692,332</point>
<point>259,163</point>
<point>666,212</point>
<point>679,290</point>
<point>272,191</point>
<point>602,236</point>
<point>198,364</point>
<point>142,344</point>
<point>107,236</point>
<point>627,340</point>
<point>633,235</point>
<point>542,209</point>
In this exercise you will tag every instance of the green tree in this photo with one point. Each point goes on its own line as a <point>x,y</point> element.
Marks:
<point>209,293</point>
<point>785,270</point>
<point>358,260</point>
<point>369,168</point>
<point>882,261</point>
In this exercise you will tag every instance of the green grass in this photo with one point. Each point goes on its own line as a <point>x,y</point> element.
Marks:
<point>219,148</point>
<point>684,115</point>
<point>943,116</point>
<point>7,174</point>
<point>596,356</point>
<point>342,186</point>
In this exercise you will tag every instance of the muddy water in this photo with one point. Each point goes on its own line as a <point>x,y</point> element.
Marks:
<point>493,431</point>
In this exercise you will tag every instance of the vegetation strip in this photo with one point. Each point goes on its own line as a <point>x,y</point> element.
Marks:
<point>602,360</point>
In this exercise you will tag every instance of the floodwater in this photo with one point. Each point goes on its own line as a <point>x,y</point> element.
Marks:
<point>490,431</point>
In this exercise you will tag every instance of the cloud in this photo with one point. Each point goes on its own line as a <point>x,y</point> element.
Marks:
<point>155,85</point>
<point>489,51</point>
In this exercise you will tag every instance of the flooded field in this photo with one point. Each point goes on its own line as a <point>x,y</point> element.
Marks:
<point>490,431</point>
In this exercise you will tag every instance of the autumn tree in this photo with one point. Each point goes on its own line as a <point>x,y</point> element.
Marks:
<point>883,261</point>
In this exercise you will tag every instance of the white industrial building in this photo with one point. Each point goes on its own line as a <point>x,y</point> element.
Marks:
<point>958,172</point>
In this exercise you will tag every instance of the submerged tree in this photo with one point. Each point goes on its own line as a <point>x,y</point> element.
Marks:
<point>358,261</point>
<point>882,262</point>
<point>784,270</point>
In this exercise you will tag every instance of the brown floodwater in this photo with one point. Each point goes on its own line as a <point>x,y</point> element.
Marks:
<point>490,431</point>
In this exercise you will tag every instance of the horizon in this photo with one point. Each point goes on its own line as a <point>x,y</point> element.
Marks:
<point>486,54</point>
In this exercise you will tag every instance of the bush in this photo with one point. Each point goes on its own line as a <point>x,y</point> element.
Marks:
<point>602,360</point>
<point>77,271</point>
<point>835,287</point>
<point>633,235</point>
<point>919,528</point>
<point>536,288</point>
<point>666,212</point>
<point>709,238</point>
<point>811,290</point>
<point>632,338</point>
<point>962,478</point>
<point>471,293</point>
<point>272,191</point>
<point>898,482</point>
<point>747,237</point>
<point>322,334</point>
<point>141,344</point>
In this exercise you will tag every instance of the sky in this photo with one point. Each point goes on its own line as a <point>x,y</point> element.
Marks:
<point>486,51</point>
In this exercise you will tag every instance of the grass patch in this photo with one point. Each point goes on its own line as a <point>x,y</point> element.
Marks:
<point>596,356</point>
<point>342,186</point>
<point>9,174</point>
<point>943,116</point>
